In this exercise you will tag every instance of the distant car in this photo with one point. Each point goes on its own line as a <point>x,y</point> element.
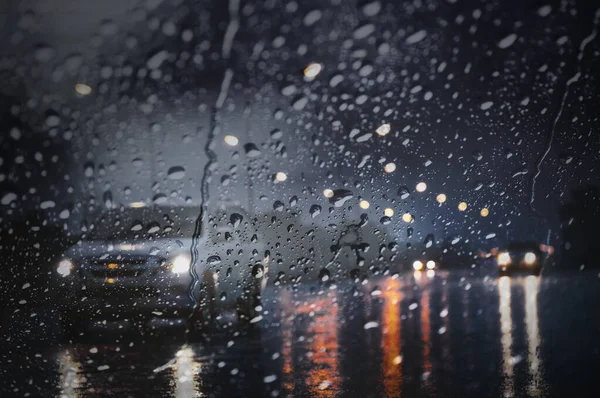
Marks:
<point>527,257</point>
<point>425,264</point>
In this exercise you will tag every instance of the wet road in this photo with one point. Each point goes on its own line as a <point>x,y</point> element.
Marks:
<point>448,334</point>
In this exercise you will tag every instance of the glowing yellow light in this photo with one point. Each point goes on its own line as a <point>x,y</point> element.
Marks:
<point>504,258</point>
<point>83,89</point>
<point>328,193</point>
<point>421,187</point>
<point>384,129</point>
<point>231,140</point>
<point>390,167</point>
<point>312,70</point>
<point>388,212</point>
<point>530,258</point>
<point>281,176</point>
<point>110,280</point>
<point>417,265</point>
<point>484,212</point>
<point>112,266</point>
<point>137,205</point>
<point>364,204</point>
<point>407,217</point>
<point>441,198</point>
<point>462,206</point>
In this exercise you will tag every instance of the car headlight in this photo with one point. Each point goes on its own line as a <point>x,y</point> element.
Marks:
<point>530,258</point>
<point>418,265</point>
<point>65,266</point>
<point>430,264</point>
<point>504,258</point>
<point>181,264</point>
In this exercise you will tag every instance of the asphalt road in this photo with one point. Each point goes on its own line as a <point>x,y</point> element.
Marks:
<point>448,335</point>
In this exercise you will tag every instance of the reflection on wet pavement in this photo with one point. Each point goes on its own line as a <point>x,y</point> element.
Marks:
<point>413,335</point>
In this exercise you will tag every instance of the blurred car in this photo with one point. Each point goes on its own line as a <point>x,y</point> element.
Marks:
<point>527,257</point>
<point>132,264</point>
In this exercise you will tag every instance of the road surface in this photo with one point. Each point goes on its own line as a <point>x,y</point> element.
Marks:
<point>452,334</point>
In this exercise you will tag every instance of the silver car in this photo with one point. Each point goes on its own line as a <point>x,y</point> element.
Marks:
<point>134,263</point>
<point>131,264</point>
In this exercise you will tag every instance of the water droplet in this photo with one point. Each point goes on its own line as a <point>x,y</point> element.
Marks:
<point>231,140</point>
<point>340,196</point>
<point>136,226</point>
<point>416,37</point>
<point>176,173</point>
<point>44,53</point>
<point>299,103</point>
<point>312,17</point>
<point>52,119</point>
<point>363,31</point>
<point>83,89</point>
<point>278,205</point>
<point>47,204</point>
<point>324,275</point>
<point>486,105</point>
<point>7,198</point>
<point>403,192</point>
<point>385,220</point>
<point>312,70</point>
<point>507,41</point>
<point>251,150</point>
<point>236,219</point>
<point>213,260</point>
<point>371,9</point>
<point>371,325</point>
<point>315,210</point>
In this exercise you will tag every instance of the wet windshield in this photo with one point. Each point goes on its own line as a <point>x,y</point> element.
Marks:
<point>285,198</point>
<point>143,224</point>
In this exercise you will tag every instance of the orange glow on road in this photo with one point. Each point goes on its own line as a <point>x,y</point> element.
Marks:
<point>323,379</point>
<point>392,354</point>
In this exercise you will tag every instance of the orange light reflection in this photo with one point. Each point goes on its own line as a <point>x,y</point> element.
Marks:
<point>392,359</point>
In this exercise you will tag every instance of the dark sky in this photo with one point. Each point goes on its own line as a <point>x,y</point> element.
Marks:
<point>473,91</point>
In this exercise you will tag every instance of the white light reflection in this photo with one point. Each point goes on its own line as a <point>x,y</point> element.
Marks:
<point>184,370</point>
<point>506,329</point>
<point>533,334</point>
<point>69,371</point>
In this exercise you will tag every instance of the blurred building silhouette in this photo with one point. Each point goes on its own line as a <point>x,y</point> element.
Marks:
<point>579,218</point>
